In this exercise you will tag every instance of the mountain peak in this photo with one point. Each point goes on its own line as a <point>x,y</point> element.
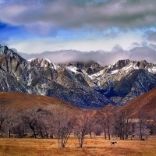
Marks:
<point>90,67</point>
<point>3,49</point>
<point>43,63</point>
<point>143,64</point>
<point>121,63</point>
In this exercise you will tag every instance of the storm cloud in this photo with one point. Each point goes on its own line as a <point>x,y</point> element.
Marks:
<point>46,15</point>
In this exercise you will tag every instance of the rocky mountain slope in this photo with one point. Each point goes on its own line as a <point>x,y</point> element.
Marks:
<point>85,84</point>
<point>126,79</point>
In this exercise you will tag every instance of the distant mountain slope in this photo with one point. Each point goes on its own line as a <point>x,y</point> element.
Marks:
<point>84,84</point>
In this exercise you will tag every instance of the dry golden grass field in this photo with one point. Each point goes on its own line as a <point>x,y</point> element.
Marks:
<point>92,147</point>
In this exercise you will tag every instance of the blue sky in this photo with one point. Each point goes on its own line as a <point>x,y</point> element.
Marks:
<point>34,26</point>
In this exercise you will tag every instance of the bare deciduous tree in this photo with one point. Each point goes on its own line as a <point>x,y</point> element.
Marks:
<point>34,119</point>
<point>63,122</point>
<point>3,116</point>
<point>141,129</point>
<point>82,126</point>
<point>105,120</point>
<point>122,125</point>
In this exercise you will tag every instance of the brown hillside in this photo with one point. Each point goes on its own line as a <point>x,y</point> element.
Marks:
<point>144,104</point>
<point>21,102</point>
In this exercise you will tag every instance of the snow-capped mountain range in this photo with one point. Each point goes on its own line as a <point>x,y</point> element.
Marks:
<point>84,84</point>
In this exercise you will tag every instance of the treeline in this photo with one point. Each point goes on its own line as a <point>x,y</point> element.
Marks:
<point>60,123</point>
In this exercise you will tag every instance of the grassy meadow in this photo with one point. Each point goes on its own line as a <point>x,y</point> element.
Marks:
<point>92,147</point>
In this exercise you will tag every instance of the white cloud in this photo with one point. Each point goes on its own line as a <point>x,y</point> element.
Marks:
<point>125,40</point>
<point>102,57</point>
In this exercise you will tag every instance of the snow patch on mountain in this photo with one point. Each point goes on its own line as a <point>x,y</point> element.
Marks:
<point>96,75</point>
<point>32,59</point>
<point>130,67</point>
<point>114,71</point>
<point>152,70</point>
<point>72,69</point>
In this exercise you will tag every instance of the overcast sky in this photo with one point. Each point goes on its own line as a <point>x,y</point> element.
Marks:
<point>35,26</point>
